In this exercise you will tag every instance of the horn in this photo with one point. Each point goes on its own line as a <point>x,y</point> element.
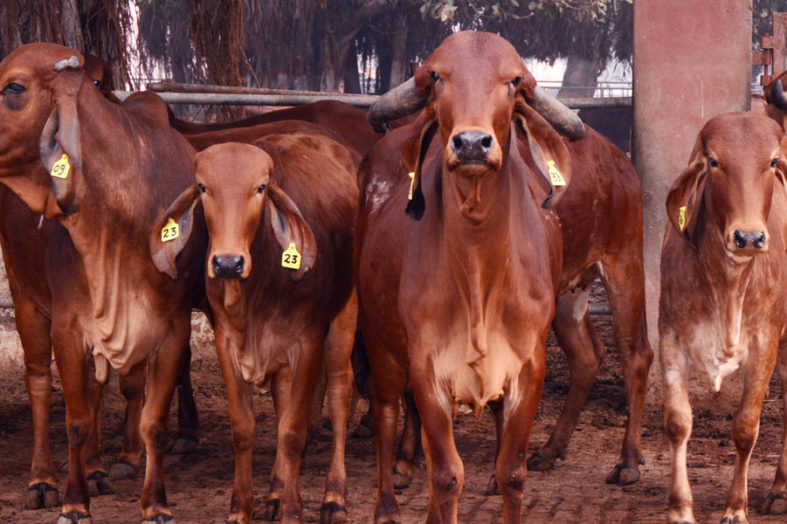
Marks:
<point>778,96</point>
<point>70,62</point>
<point>563,119</point>
<point>400,101</point>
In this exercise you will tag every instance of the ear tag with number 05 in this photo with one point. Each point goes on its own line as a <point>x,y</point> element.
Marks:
<point>411,174</point>
<point>291,258</point>
<point>682,218</point>
<point>554,175</point>
<point>61,168</point>
<point>170,231</point>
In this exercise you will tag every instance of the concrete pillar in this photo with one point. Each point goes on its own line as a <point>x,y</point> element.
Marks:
<point>692,60</point>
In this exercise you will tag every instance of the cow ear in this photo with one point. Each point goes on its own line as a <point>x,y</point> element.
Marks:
<point>685,196</point>
<point>60,155</point>
<point>291,230</point>
<point>414,152</point>
<point>548,151</point>
<point>781,165</point>
<point>172,231</point>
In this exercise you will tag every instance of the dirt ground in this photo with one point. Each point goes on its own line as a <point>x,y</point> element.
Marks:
<point>199,485</point>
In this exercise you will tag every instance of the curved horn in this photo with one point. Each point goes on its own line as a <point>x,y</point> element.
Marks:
<point>778,96</point>
<point>400,101</point>
<point>563,119</point>
<point>70,62</point>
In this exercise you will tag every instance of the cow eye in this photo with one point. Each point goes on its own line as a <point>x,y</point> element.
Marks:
<point>261,188</point>
<point>434,76</point>
<point>516,81</point>
<point>202,188</point>
<point>774,161</point>
<point>713,162</point>
<point>14,89</point>
<point>96,83</point>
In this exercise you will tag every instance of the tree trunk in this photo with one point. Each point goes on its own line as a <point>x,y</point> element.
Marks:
<point>580,78</point>
<point>400,66</point>
<point>72,29</point>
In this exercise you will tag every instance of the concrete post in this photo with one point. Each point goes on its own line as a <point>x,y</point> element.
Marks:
<point>692,60</point>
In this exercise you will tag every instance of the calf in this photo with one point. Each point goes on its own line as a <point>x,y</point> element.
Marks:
<point>279,280</point>
<point>723,289</point>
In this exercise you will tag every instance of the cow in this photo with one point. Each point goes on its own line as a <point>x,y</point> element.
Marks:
<point>601,221</point>
<point>776,100</point>
<point>279,215</point>
<point>723,302</point>
<point>456,296</point>
<point>108,169</point>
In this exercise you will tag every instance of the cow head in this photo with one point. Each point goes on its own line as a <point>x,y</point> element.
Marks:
<point>26,102</point>
<point>234,186</point>
<point>472,88</point>
<point>729,183</point>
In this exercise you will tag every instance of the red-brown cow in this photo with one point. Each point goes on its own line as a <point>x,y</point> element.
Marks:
<point>723,304</point>
<point>279,220</point>
<point>776,99</point>
<point>112,167</point>
<point>458,298</point>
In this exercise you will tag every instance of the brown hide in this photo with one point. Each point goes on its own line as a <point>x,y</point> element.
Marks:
<point>776,108</point>
<point>722,305</point>
<point>271,321</point>
<point>459,302</point>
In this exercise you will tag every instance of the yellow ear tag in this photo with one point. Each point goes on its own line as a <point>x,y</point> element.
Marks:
<point>170,231</point>
<point>682,218</point>
<point>291,258</point>
<point>61,168</point>
<point>411,174</point>
<point>554,175</point>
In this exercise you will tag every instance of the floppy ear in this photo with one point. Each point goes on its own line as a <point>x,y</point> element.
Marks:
<point>172,231</point>
<point>290,227</point>
<point>414,152</point>
<point>548,151</point>
<point>781,166</point>
<point>60,155</point>
<point>685,196</point>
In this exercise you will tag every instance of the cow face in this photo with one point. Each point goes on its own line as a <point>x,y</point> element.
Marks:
<point>729,183</point>
<point>234,186</point>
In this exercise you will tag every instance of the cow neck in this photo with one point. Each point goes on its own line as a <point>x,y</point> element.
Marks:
<point>729,282</point>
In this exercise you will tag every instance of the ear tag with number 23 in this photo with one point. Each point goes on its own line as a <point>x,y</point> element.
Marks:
<point>61,168</point>
<point>682,218</point>
<point>291,258</point>
<point>554,175</point>
<point>170,231</point>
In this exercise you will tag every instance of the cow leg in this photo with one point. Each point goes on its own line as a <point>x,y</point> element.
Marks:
<point>624,281</point>
<point>409,443</point>
<point>496,407</point>
<point>444,466</point>
<point>33,328</point>
<point>188,420</point>
<point>280,390</point>
<point>677,423</point>
<point>517,424</point>
<point>338,365</point>
<point>164,365</point>
<point>575,332</point>
<point>244,431</point>
<point>132,387</point>
<point>98,482</point>
<point>745,428</point>
<point>72,364</point>
<point>776,502</point>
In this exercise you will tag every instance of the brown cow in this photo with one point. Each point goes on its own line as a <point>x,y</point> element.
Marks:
<point>458,298</point>
<point>723,304</point>
<point>289,202</point>
<point>113,167</point>
<point>776,99</point>
<point>25,105</point>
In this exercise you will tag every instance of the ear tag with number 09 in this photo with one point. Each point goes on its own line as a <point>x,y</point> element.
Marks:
<point>682,218</point>
<point>170,231</point>
<point>411,174</point>
<point>61,168</point>
<point>291,258</point>
<point>554,175</point>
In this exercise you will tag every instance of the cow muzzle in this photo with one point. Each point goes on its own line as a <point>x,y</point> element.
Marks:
<point>227,266</point>
<point>746,242</point>
<point>473,152</point>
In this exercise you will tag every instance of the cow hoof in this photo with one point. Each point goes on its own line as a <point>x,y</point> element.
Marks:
<point>732,519</point>
<point>122,471</point>
<point>623,475</point>
<point>491,486</point>
<point>775,504</point>
<point>332,513</point>
<point>540,462</point>
<point>74,517</point>
<point>401,481</point>
<point>183,446</point>
<point>42,495</point>
<point>161,518</point>
<point>363,430</point>
<point>98,483</point>
<point>271,510</point>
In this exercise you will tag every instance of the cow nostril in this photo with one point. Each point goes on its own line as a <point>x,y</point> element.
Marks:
<point>759,243</point>
<point>740,239</point>
<point>227,266</point>
<point>238,265</point>
<point>486,141</point>
<point>457,142</point>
